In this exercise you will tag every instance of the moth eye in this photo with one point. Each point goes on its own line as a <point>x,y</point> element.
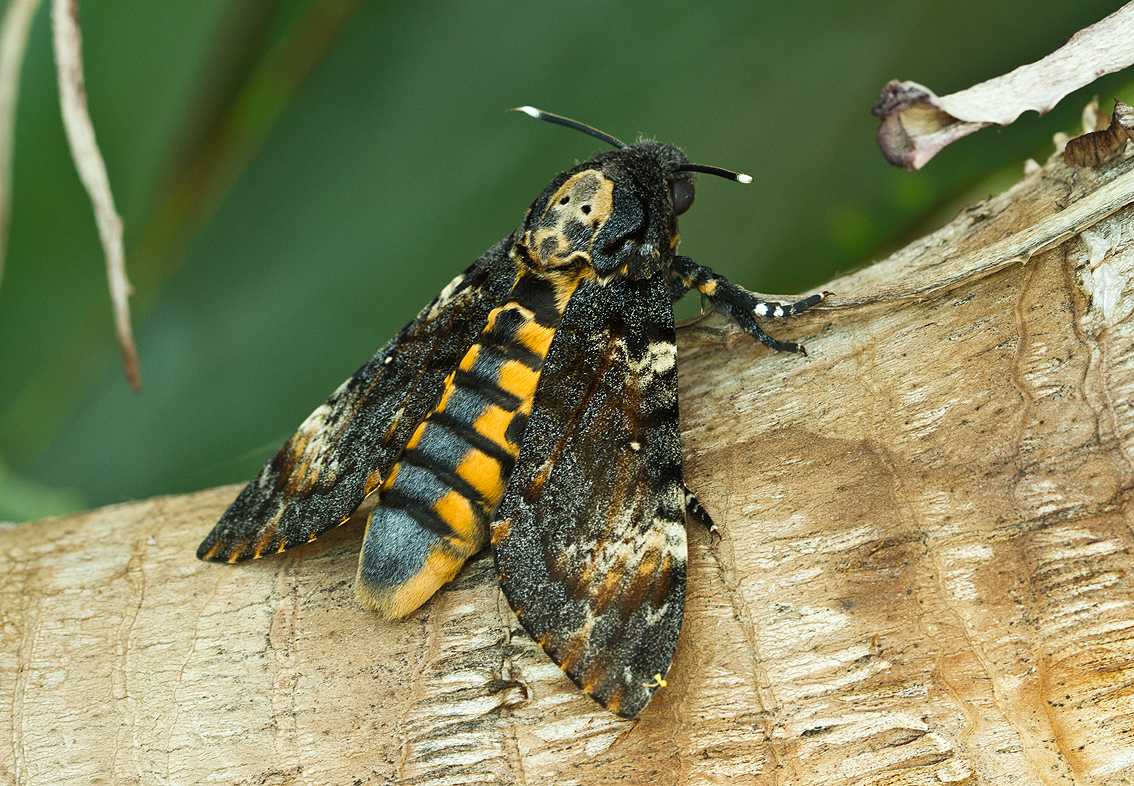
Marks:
<point>682,191</point>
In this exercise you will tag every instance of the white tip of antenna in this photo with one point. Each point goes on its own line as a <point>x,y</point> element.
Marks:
<point>530,111</point>
<point>743,178</point>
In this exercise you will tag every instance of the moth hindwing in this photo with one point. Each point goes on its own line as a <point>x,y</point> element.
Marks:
<point>532,404</point>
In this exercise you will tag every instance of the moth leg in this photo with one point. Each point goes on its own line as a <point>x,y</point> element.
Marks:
<point>736,301</point>
<point>697,512</point>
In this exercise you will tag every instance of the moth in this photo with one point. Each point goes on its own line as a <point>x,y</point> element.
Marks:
<point>532,405</point>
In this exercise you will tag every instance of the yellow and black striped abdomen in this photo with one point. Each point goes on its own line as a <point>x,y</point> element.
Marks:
<point>438,499</point>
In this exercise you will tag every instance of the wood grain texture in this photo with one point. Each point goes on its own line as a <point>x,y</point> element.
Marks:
<point>922,575</point>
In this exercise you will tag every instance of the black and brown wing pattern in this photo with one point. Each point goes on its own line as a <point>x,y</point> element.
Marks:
<point>590,537</point>
<point>537,393</point>
<point>344,449</point>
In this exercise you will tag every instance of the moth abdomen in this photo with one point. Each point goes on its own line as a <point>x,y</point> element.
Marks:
<point>436,503</point>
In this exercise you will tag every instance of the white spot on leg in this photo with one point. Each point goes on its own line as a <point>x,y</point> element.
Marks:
<point>770,309</point>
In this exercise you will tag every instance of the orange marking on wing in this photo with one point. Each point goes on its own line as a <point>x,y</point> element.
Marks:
<point>373,481</point>
<point>294,471</point>
<point>651,562</point>
<point>592,676</point>
<point>541,476</point>
<point>570,653</point>
<point>500,530</point>
<point>389,435</point>
<point>607,588</point>
<point>615,702</point>
<point>264,542</point>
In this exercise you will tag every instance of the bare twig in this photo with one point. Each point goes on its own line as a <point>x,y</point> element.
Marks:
<point>92,170</point>
<point>13,42</point>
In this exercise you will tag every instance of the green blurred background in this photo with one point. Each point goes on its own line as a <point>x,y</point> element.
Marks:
<point>298,177</point>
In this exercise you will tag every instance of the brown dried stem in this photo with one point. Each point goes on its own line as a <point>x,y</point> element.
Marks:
<point>92,171</point>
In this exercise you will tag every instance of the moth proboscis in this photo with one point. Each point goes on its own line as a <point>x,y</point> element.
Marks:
<point>532,405</point>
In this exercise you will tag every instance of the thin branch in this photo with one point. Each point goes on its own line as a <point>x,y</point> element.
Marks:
<point>92,170</point>
<point>13,43</point>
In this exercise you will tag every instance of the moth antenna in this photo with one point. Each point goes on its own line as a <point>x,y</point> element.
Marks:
<point>728,174</point>
<point>531,111</point>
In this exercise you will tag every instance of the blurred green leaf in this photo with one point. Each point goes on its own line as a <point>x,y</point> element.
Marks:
<point>23,500</point>
<point>298,178</point>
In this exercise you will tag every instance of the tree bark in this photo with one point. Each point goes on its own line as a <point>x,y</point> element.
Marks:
<point>921,576</point>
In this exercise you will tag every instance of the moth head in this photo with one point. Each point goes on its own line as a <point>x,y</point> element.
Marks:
<point>653,184</point>
<point>632,229</point>
<point>681,186</point>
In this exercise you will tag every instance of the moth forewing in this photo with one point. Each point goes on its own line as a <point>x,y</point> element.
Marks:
<point>590,547</point>
<point>347,446</point>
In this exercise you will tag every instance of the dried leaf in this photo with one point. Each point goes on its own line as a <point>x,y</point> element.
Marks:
<point>916,123</point>
<point>1098,148</point>
<point>92,170</point>
<point>13,42</point>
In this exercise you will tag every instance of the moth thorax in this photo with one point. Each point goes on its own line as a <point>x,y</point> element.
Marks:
<point>574,216</point>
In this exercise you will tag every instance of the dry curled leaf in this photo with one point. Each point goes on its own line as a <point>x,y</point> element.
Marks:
<point>1098,148</point>
<point>916,123</point>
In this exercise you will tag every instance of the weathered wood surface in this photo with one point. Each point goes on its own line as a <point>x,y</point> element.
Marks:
<point>922,576</point>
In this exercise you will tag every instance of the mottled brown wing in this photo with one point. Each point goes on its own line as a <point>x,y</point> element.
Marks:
<point>346,446</point>
<point>590,537</point>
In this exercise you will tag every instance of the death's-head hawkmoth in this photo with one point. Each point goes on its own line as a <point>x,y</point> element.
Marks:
<point>532,405</point>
